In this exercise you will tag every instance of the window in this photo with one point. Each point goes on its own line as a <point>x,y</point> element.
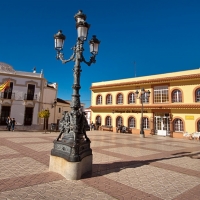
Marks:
<point>28,116</point>
<point>119,121</point>
<point>59,110</point>
<point>119,99</point>
<point>144,98</point>
<point>197,95</point>
<point>99,100</point>
<point>178,125</point>
<point>108,121</point>
<point>131,122</point>
<point>176,96</point>
<point>30,92</point>
<point>131,98</point>
<point>161,94</point>
<point>5,112</point>
<point>7,94</point>
<point>109,99</point>
<point>145,123</point>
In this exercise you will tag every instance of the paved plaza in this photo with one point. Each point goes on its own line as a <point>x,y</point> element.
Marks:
<point>125,166</point>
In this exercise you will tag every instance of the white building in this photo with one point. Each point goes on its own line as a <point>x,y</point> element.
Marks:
<point>29,93</point>
<point>88,115</point>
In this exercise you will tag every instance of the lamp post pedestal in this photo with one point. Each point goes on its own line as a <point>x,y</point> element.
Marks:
<point>142,134</point>
<point>72,156</point>
<point>141,128</point>
<point>70,170</point>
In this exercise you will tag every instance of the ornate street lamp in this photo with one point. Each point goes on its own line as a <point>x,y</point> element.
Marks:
<point>73,144</point>
<point>144,95</point>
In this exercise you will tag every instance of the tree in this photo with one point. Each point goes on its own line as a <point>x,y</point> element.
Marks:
<point>44,114</point>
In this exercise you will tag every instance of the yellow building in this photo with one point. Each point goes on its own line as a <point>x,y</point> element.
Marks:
<point>173,106</point>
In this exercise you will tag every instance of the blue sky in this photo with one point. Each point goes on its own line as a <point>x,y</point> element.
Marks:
<point>160,36</point>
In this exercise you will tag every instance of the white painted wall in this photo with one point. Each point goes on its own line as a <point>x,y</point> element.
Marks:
<point>45,96</point>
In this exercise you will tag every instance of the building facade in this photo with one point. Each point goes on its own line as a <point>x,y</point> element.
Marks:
<point>172,108</point>
<point>59,107</point>
<point>88,115</point>
<point>28,94</point>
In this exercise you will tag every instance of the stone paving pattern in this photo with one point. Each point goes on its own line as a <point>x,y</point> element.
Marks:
<point>125,167</point>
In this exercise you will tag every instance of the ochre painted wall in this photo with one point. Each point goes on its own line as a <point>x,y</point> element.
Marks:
<point>188,110</point>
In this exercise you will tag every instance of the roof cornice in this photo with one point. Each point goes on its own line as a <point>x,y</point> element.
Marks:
<point>160,106</point>
<point>147,81</point>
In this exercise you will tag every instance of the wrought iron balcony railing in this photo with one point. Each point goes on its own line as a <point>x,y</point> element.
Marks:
<point>30,97</point>
<point>7,95</point>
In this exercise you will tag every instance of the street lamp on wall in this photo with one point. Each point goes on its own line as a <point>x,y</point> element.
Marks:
<point>75,145</point>
<point>143,95</point>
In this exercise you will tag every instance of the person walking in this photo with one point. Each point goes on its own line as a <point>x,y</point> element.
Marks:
<point>9,123</point>
<point>92,126</point>
<point>13,123</point>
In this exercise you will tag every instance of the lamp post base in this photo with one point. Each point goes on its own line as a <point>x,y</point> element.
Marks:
<point>70,152</point>
<point>142,136</point>
<point>70,170</point>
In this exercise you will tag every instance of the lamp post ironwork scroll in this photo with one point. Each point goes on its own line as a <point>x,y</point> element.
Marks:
<point>144,95</point>
<point>74,144</point>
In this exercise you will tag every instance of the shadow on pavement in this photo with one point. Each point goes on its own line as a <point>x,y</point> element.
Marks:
<point>107,168</point>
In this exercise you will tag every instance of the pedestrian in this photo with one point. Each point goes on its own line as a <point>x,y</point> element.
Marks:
<point>123,129</point>
<point>13,123</point>
<point>92,126</point>
<point>9,122</point>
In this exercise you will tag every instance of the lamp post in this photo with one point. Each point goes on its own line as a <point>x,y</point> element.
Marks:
<point>144,95</point>
<point>74,144</point>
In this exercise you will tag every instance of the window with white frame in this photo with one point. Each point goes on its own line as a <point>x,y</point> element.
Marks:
<point>144,97</point>
<point>99,99</point>
<point>108,121</point>
<point>197,95</point>
<point>178,125</point>
<point>131,122</point>
<point>119,121</point>
<point>176,96</point>
<point>109,99</point>
<point>145,123</point>
<point>161,94</point>
<point>131,98</point>
<point>119,98</point>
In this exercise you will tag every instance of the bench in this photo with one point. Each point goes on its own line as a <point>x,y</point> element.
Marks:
<point>125,129</point>
<point>105,128</point>
<point>195,135</point>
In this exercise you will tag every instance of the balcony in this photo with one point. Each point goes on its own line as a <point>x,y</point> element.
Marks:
<point>30,97</point>
<point>7,95</point>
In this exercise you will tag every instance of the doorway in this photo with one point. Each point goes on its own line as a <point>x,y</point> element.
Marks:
<point>162,124</point>
<point>5,112</point>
